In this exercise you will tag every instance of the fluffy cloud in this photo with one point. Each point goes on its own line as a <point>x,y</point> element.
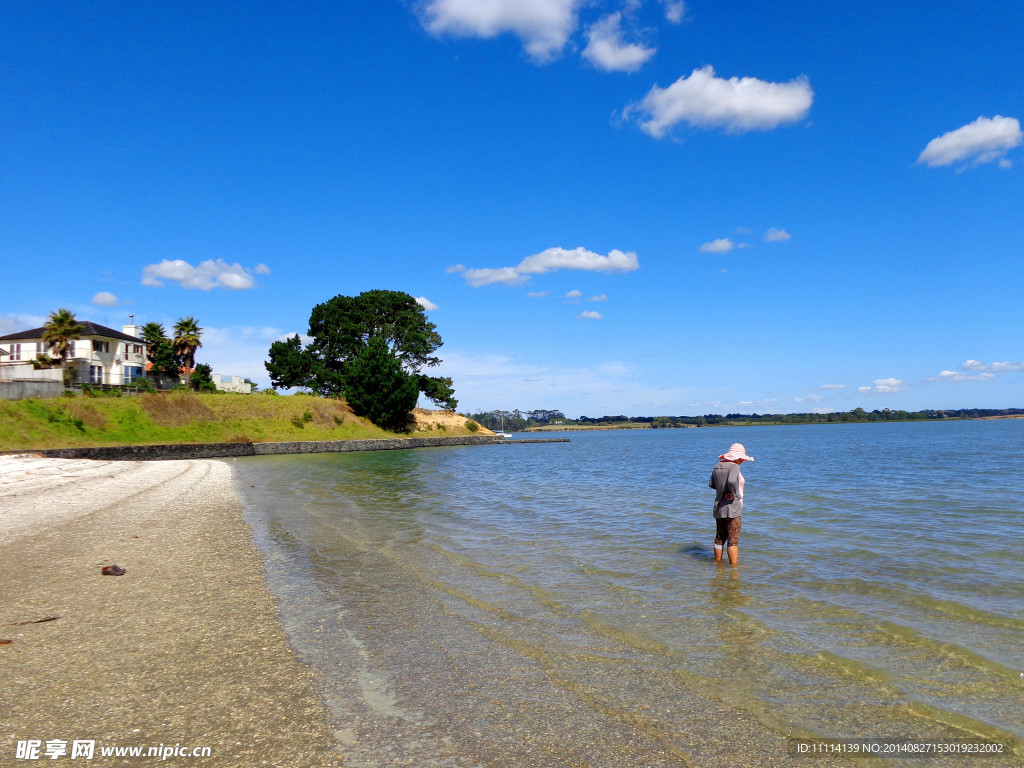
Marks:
<point>721,245</point>
<point>544,26</point>
<point>976,365</point>
<point>832,386</point>
<point>962,376</point>
<point>774,235</point>
<point>607,50</point>
<point>675,10</point>
<point>602,297</point>
<point>983,141</point>
<point>208,274</point>
<point>104,299</point>
<point>589,314</point>
<point>426,303</point>
<point>538,294</point>
<point>885,386</point>
<point>808,399</point>
<point>551,260</point>
<point>454,269</point>
<point>501,275</point>
<point>736,105</point>
<point>16,323</point>
<point>577,258</point>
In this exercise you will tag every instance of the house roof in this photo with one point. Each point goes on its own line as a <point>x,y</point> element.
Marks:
<point>88,329</point>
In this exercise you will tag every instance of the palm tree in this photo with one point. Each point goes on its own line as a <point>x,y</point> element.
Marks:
<point>60,330</point>
<point>153,334</point>
<point>186,342</point>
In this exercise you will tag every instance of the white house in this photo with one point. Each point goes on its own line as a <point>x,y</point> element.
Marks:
<point>100,355</point>
<point>232,384</point>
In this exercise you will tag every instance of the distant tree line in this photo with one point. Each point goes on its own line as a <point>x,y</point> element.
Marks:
<point>516,421</point>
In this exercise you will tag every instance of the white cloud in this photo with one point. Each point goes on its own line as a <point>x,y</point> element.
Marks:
<point>577,258</point>
<point>721,245</point>
<point>961,376</point>
<point>607,50</point>
<point>544,26</point>
<point>675,10</point>
<point>261,269</point>
<point>774,235</point>
<point>538,294</point>
<point>105,299</point>
<point>551,260</point>
<point>976,365</point>
<point>16,323</point>
<point>832,386</point>
<point>503,275</point>
<point>454,268</point>
<point>426,303</point>
<point>590,314</point>
<point>808,399</point>
<point>736,105</point>
<point>1002,367</point>
<point>602,297</point>
<point>885,386</point>
<point>208,274</point>
<point>983,141</point>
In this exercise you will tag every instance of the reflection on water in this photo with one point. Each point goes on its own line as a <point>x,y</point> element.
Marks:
<point>559,604</point>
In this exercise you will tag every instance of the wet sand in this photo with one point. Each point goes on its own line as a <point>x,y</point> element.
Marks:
<point>183,649</point>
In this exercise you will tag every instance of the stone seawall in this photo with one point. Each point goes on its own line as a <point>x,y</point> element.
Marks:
<point>228,450</point>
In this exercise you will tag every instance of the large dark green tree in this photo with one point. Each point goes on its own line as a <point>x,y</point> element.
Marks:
<point>340,331</point>
<point>377,387</point>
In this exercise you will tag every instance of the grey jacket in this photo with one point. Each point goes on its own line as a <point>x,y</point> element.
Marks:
<point>725,479</point>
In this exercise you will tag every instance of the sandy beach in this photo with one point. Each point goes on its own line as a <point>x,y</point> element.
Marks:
<point>182,651</point>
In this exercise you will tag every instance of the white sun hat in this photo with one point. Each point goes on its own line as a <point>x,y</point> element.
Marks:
<point>736,451</point>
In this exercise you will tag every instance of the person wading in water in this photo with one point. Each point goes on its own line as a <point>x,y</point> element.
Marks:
<point>727,480</point>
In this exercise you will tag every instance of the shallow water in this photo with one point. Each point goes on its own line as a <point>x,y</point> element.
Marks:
<point>558,604</point>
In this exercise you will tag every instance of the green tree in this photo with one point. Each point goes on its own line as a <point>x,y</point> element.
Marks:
<point>164,361</point>
<point>202,379</point>
<point>60,330</point>
<point>377,387</point>
<point>152,334</point>
<point>292,366</point>
<point>186,341</point>
<point>341,330</point>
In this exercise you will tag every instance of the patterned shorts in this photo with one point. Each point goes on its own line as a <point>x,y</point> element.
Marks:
<point>728,531</point>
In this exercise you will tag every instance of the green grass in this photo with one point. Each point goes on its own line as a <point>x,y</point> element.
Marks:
<point>176,417</point>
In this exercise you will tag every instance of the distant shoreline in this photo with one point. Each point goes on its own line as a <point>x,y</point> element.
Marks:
<point>643,425</point>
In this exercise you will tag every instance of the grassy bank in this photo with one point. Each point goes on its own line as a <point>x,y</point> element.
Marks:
<point>184,417</point>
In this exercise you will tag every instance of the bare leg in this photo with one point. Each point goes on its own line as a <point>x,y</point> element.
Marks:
<point>734,555</point>
<point>718,553</point>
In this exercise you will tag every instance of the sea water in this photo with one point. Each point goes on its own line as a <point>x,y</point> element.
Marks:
<point>559,605</point>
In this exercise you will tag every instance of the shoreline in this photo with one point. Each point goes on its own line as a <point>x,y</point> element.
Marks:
<point>186,648</point>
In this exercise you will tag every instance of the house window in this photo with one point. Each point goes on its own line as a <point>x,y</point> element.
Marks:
<point>95,374</point>
<point>40,348</point>
<point>15,351</point>
<point>100,346</point>
<point>131,373</point>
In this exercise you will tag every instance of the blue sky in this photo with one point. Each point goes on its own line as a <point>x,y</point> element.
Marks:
<point>640,207</point>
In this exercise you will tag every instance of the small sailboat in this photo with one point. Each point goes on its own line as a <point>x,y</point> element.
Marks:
<point>502,432</point>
